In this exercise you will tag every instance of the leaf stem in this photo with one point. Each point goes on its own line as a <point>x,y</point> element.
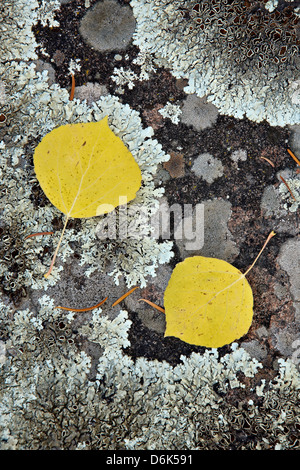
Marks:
<point>57,248</point>
<point>271,234</point>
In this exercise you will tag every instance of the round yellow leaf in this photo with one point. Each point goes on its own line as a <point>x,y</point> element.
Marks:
<point>85,169</point>
<point>208,302</point>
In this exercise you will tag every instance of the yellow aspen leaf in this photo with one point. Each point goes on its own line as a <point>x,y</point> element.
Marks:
<point>85,170</point>
<point>84,167</point>
<point>208,302</point>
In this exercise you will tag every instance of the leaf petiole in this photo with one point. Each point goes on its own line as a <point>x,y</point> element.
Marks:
<point>57,248</point>
<point>271,234</point>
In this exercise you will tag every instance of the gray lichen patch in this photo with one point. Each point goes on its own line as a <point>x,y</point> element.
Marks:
<point>289,190</point>
<point>108,26</point>
<point>207,167</point>
<point>218,241</point>
<point>271,202</point>
<point>90,92</point>
<point>295,139</point>
<point>197,112</point>
<point>275,204</point>
<point>154,291</point>
<point>284,339</point>
<point>289,260</point>
<point>255,349</point>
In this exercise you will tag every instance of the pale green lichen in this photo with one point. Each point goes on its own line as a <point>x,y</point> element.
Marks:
<point>123,77</point>
<point>217,47</point>
<point>171,111</point>
<point>48,401</point>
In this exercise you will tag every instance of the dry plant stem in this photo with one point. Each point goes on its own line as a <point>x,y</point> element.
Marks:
<point>57,248</point>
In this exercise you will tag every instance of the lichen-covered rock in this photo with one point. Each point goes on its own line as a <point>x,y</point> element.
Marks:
<point>290,190</point>
<point>49,402</point>
<point>245,59</point>
<point>67,381</point>
<point>35,108</point>
<point>289,260</point>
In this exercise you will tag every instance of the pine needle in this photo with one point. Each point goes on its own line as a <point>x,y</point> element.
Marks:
<point>160,309</point>
<point>38,233</point>
<point>83,309</point>
<point>269,161</point>
<point>293,156</point>
<point>282,179</point>
<point>124,296</point>
<point>72,88</point>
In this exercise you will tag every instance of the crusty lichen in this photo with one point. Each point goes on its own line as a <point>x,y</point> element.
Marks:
<point>242,57</point>
<point>48,400</point>
<point>49,396</point>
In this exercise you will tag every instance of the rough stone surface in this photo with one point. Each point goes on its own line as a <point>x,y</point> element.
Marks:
<point>106,378</point>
